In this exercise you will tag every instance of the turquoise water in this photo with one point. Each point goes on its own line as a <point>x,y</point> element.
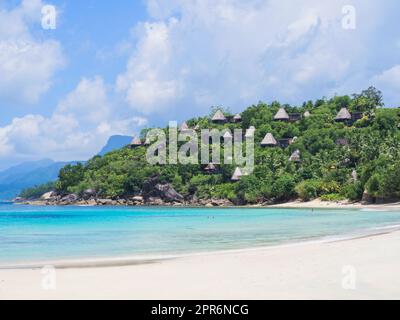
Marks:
<point>30,234</point>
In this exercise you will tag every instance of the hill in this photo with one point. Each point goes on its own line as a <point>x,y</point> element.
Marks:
<point>318,153</point>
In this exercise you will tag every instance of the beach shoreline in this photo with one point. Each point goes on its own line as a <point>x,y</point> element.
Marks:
<point>296,204</point>
<point>309,270</point>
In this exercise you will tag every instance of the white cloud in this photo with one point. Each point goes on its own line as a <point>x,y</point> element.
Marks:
<point>234,53</point>
<point>389,80</point>
<point>78,128</point>
<point>27,65</point>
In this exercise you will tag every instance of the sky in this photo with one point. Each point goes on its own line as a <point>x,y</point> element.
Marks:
<point>116,68</point>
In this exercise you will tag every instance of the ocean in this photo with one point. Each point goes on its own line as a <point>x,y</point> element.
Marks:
<point>32,234</point>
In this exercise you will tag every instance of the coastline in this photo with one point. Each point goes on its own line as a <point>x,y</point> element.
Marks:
<point>313,204</point>
<point>280,272</point>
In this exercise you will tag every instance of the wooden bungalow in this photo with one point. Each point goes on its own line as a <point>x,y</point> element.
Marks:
<point>355,116</point>
<point>237,175</point>
<point>136,142</point>
<point>210,168</point>
<point>293,117</point>
<point>237,118</point>
<point>343,116</point>
<point>184,127</point>
<point>342,142</point>
<point>250,132</point>
<point>296,156</point>
<point>282,115</point>
<point>269,141</point>
<point>284,143</point>
<point>219,118</point>
<point>228,135</point>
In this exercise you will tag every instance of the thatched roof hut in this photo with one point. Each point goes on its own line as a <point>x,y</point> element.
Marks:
<point>147,142</point>
<point>237,118</point>
<point>269,141</point>
<point>343,115</point>
<point>296,156</point>
<point>210,168</point>
<point>237,175</point>
<point>228,135</point>
<point>282,115</point>
<point>184,127</point>
<point>219,117</point>
<point>136,142</point>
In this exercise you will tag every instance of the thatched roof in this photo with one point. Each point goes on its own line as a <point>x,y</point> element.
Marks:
<point>219,117</point>
<point>269,140</point>
<point>237,175</point>
<point>184,127</point>
<point>228,135</point>
<point>343,114</point>
<point>296,156</point>
<point>210,167</point>
<point>307,114</point>
<point>281,115</point>
<point>147,142</point>
<point>237,117</point>
<point>136,142</point>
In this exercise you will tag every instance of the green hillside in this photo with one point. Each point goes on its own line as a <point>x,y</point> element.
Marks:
<point>338,159</point>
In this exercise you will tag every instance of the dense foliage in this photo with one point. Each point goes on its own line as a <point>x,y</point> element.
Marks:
<point>327,169</point>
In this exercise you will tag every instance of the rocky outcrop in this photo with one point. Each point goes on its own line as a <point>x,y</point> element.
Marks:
<point>153,190</point>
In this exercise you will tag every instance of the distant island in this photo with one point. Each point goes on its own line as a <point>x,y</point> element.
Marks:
<point>343,148</point>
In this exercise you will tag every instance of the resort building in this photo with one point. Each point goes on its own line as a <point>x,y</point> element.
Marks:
<point>296,156</point>
<point>343,116</point>
<point>269,141</point>
<point>210,168</point>
<point>136,142</point>
<point>183,127</point>
<point>237,175</point>
<point>282,115</point>
<point>285,142</point>
<point>219,118</point>
<point>237,118</point>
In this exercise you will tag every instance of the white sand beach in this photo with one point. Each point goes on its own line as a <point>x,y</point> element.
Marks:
<point>363,268</point>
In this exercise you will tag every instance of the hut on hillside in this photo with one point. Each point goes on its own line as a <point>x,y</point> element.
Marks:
<point>343,116</point>
<point>237,118</point>
<point>296,156</point>
<point>184,127</point>
<point>210,168</point>
<point>136,142</point>
<point>147,142</point>
<point>285,142</point>
<point>293,117</point>
<point>342,142</point>
<point>228,135</point>
<point>269,141</point>
<point>237,175</point>
<point>282,115</point>
<point>355,116</point>
<point>219,118</point>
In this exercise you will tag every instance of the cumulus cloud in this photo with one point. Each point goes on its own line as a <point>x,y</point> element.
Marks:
<point>78,128</point>
<point>27,64</point>
<point>201,53</point>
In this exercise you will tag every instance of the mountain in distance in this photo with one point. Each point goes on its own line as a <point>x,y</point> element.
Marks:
<point>26,175</point>
<point>115,143</point>
<point>29,174</point>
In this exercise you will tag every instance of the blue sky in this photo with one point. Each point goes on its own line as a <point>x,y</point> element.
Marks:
<point>116,68</point>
